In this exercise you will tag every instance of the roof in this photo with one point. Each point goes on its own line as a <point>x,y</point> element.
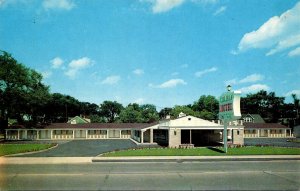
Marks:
<point>264,126</point>
<point>190,121</point>
<point>78,120</point>
<point>256,118</point>
<point>100,126</point>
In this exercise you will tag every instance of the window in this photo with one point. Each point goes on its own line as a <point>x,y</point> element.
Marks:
<point>238,132</point>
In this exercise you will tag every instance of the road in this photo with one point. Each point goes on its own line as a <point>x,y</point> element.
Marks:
<point>229,175</point>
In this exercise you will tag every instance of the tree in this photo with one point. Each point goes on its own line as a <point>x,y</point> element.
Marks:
<point>21,89</point>
<point>177,109</point>
<point>268,105</point>
<point>110,110</point>
<point>165,112</point>
<point>131,114</point>
<point>207,106</point>
<point>149,113</point>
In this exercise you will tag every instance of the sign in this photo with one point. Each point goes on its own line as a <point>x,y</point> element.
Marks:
<point>229,106</point>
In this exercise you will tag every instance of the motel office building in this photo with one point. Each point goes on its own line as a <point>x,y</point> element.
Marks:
<point>185,131</point>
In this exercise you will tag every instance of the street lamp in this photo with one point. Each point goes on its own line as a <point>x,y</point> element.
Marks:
<point>228,88</point>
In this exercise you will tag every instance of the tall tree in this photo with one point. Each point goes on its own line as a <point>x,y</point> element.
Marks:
<point>165,112</point>
<point>207,106</point>
<point>266,104</point>
<point>110,110</point>
<point>131,114</point>
<point>21,89</point>
<point>149,113</point>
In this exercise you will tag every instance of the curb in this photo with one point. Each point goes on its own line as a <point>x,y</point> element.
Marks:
<point>196,159</point>
<point>31,152</point>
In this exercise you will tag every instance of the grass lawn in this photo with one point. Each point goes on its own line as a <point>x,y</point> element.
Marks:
<point>206,152</point>
<point>7,149</point>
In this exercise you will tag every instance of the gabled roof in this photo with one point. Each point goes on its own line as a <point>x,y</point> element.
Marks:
<point>264,126</point>
<point>78,120</point>
<point>256,118</point>
<point>191,121</point>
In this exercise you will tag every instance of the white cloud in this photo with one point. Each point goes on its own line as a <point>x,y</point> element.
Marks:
<point>248,79</point>
<point>111,80</point>
<point>203,72</point>
<point>138,72</point>
<point>56,62</point>
<point>295,52</point>
<point>58,4</point>
<point>279,33</point>
<point>254,88</point>
<point>160,6</point>
<point>169,84</point>
<point>220,10</point>
<point>76,65</point>
<point>297,92</point>
<point>252,78</point>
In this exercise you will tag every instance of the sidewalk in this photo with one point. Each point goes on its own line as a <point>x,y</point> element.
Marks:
<point>178,159</point>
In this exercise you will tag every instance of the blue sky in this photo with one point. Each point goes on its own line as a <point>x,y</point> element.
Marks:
<point>163,52</point>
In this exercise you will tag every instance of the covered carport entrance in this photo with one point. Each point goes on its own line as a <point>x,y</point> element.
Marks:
<point>161,137</point>
<point>200,137</point>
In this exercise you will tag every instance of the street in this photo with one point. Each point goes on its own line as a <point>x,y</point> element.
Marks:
<point>229,175</point>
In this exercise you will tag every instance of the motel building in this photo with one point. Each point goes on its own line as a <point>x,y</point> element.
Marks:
<point>185,131</point>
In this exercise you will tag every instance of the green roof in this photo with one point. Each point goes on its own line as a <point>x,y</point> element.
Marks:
<point>77,120</point>
<point>256,118</point>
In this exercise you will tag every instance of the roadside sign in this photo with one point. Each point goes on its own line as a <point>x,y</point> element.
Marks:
<point>229,110</point>
<point>229,106</point>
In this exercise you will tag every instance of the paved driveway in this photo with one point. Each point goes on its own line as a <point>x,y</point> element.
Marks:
<point>279,142</point>
<point>85,148</point>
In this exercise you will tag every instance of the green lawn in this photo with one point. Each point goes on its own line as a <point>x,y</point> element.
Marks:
<point>206,152</point>
<point>7,149</point>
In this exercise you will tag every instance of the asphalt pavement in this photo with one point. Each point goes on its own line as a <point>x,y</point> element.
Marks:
<point>222,175</point>
<point>85,148</point>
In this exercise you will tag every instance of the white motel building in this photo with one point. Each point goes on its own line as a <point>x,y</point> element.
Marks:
<point>185,131</point>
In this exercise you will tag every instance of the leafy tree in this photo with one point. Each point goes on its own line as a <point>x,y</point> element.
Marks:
<point>149,113</point>
<point>21,90</point>
<point>110,110</point>
<point>177,109</point>
<point>266,104</point>
<point>97,119</point>
<point>207,106</point>
<point>164,112</point>
<point>131,114</point>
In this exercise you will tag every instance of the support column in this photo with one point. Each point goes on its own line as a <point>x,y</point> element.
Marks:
<point>18,136</point>
<point>190,136</point>
<point>268,132</point>
<point>25,134</point>
<point>258,132</point>
<point>73,134</point>
<point>51,134</point>
<point>142,136</point>
<point>6,135</point>
<point>37,135</point>
<point>151,135</point>
<point>120,134</point>
<point>86,134</point>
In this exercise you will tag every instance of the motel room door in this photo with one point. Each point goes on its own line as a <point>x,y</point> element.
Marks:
<point>114,133</point>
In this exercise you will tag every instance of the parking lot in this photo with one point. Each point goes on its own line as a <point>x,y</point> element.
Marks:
<point>85,148</point>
